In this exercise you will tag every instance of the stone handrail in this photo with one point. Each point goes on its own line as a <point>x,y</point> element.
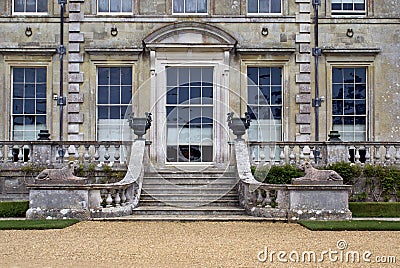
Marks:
<point>286,201</point>
<point>86,201</point>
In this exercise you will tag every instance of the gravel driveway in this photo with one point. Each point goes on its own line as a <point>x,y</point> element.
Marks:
<point>193,244</point>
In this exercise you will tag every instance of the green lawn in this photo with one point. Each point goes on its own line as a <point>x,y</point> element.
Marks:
<point>35,224</point>
<point>353,225</point>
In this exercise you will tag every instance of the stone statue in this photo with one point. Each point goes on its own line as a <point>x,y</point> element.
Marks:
<point>318,176</point>
<point>65,174</point>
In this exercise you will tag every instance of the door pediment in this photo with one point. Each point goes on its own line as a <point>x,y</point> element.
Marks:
<point>190,34</point>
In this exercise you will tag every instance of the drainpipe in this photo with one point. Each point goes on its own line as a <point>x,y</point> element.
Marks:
<point>316,102</point>
<point>61,100</point>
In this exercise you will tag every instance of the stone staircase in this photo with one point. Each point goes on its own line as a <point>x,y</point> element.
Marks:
<point>189,194</point>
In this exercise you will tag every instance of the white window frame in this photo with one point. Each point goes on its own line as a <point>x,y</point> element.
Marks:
<point>263,13</point>
<point>30,13</point>
<point>268,105</point>
<point>112,12</point>
<point>339,62</point>
<point>35,114</point>
<point>123,127</point>
<point>347,13</point>
<point>191,14</point>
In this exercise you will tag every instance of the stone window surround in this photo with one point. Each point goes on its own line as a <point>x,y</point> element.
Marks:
<point>284,63</point>
<point>102,61</point>
<point>345,62</point>
<point>52,89</point>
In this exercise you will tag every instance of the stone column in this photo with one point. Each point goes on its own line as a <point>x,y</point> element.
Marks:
<point>303,77</point>
<point>75,76</point>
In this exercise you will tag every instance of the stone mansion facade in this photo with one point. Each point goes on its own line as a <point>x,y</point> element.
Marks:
<point>190,62</point>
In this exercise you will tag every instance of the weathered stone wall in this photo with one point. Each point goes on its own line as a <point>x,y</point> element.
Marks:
<point>379,30</point>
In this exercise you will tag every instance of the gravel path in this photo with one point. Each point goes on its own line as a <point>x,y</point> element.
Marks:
<point>186,244</point>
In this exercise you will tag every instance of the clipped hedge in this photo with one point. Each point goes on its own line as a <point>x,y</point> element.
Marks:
<point>13,209</point>
<point>375,209</point>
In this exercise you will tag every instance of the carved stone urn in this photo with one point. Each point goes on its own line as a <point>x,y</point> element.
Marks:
<point>239,125</point>
<point>140,125</point>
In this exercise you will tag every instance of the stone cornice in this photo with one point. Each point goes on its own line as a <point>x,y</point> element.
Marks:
<point>347,51</point>
<point>28,50</point>
<point>266,50</point>
<point>111,50</point>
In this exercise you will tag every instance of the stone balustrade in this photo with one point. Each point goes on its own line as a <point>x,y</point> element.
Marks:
<point>86,201</point>
<point>296,153</point>
<point>48,152</point>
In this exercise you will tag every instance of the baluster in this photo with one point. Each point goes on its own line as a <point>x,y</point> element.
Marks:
<point>106,154</point>
<point>387,155</point>
<point>67,152</point>
<point>282,154</point>
<point>312,156</point>
<point>123,197</point>
<point>30,151</point>
<point>377,155</point>
<point>272,149</point>
<point>267,199</point>
<point>77,156</point>
<point>367,155</point>
<point>357,154</point>
<point>260,198</point>
<point>117,154</point>
<point>96,155</point>
<point>86,156</point>
<point>301,148</point>
<point>348,153</point>
<point>109,199</point>
<point>10,153</point>
<point>261,154</point>
<point>292,157</point>
<point>21,153</point>
<point>1,154</point>
<point>117,199</point>
<point>397,161</point>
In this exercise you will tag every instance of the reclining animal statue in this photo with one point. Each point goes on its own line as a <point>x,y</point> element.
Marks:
<point>316,175</point>
<point>64,174</point>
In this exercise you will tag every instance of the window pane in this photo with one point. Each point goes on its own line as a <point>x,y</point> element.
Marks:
<point>172,74</point>
<point>18,106</point>
<point>103,5</point>
<point>29,75</point>
<point>360,92</point>
<point>348,91</point>
<point>190,6</point>
<point>252,74</point>
<point>30,5</point>
<point>253,6</point>
<point>42,6</point>
<point>337,75</point>
<point>103,95</point>
<point>337,107</point>
<point>126,5</point>
<point>115,95</point>
<point>18,75</point>
<point>202,6</point>
<point>178,6</point>
<point>276,6</point>
<point>126,94</point>
<point>41,106</point>
<point>18,91</point>
<point>265,76</point>
<point>276,76</point>
<point>264,6</point>
<point>102,112</point>
<point>115,76</point>
<point>29,90</point>
<point>115,5</point>
<point>172,96</point>
<point>41,75</point>
<point>19,5</point>
<point>126,76</point>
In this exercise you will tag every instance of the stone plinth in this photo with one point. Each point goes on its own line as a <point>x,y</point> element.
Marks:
<point>318,202</point>
<point>58,202</point>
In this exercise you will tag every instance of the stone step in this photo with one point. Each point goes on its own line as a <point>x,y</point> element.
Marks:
<point>188,203</point>
<point>199,210</point>
<point>195,197</point>
<point>189,181</point>
<point>157,189</point>
<point>190,218</point>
